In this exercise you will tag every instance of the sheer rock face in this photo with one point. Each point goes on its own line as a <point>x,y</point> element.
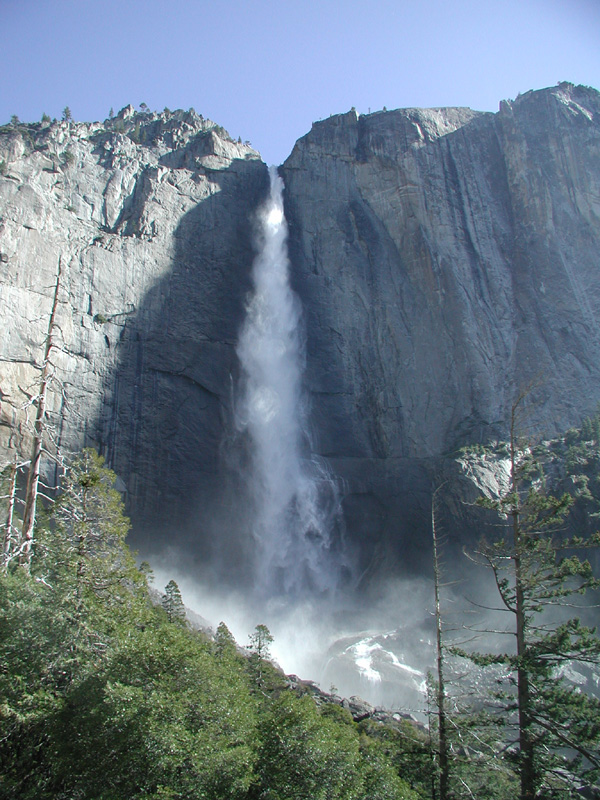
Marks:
<point>155,241</point>
<point>444,258</point>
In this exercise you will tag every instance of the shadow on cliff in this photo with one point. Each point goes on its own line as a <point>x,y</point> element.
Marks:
<point>396,373</point>
<point>167,411</point>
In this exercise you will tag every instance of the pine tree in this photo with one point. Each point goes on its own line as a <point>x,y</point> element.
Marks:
<point>173,604</point>
<point>259,647</point>
<point>224,641</point>
<point>587,429</point>
<point>537,571</point>
<point>260,641</point>
<point>90,527</point>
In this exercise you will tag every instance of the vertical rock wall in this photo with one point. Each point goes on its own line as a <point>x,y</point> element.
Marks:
<point>444,258</point>
<point>151,218</point>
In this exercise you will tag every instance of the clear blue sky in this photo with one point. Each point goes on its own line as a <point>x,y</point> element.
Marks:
<point>266,70</point>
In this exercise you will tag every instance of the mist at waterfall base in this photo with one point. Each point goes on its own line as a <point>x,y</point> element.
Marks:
<point>379,648</point>
<point>295,571</point>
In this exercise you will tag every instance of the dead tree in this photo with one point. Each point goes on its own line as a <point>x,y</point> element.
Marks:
<point>33,475</point>
<point>10,536</point>
<point>443,749</point>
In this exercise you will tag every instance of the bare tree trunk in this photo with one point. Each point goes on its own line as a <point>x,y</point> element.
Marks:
<point>8,528</point>
<point>444,765</point>
<point>526,745</point>
<point>33,475</point>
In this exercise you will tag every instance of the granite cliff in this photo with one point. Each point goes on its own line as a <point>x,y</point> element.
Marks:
<point>444,258</point>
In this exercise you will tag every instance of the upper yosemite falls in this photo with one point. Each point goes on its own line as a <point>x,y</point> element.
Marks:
<point>293,503</point>
<point>436,262</point>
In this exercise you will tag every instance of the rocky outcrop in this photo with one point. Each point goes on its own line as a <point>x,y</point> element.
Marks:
<point>444,258</point>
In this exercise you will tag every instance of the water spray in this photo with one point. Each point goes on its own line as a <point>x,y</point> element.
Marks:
<point>296,517</point>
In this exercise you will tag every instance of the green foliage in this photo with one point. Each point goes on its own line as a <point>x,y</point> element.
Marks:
<point>539,574</point>
<point>224,642</point>
<point>57,624</point>
<point>173,604</point>
<point>260,642</point>
<point>68,158</point>
<point>380,779</point>
<point>66,115</point>
<point>406,748</point>
<point>135,134</point>
<point>3,167</point>
<point>303,755</point>
<point>159,716</point>
<point>85,549</point>
<point>476,449</point>
<point>104,698</point>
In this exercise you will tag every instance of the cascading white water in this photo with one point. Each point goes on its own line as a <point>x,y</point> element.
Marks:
<point>296,508</point>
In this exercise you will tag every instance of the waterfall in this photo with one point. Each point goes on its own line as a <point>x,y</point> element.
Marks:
<point>294,516</point>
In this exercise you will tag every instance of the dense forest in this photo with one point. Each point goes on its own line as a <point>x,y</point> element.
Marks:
<point>107,693</point>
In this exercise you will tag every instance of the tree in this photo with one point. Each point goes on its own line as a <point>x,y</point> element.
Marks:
<point>260,642</point>
<point>160,714</point>
<point>173,604</point>
<point>440,689</point>
<point>90,529</point>
<point>135,135</point>
<point>407,749</point>
<point>10,546</point>
<point>59,620</point>
<point>68,158</point>
<point>539,573</point>
<point>39,430</point>
<point>224,642</point>
<point>67,116</point>
<point>304,755</point>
